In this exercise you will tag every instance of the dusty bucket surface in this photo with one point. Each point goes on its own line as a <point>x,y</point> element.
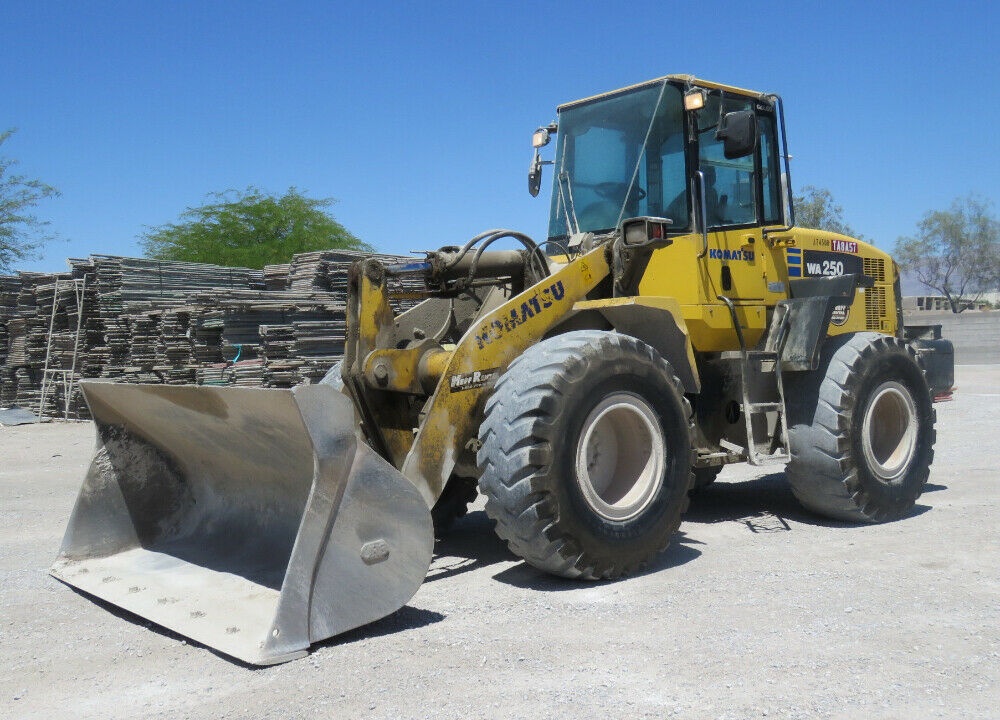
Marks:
<point>253,521</point>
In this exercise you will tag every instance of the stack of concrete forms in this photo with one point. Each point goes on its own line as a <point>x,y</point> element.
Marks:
<point>276,277</point>
<point>326,271</point>
<point>176,323</point>
<point>257,334</point>
<point>10,288</point>
<point>28,313</point>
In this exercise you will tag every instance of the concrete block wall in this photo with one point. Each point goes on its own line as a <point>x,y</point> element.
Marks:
<point>975,334</point>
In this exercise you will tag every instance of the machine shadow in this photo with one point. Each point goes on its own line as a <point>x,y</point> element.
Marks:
<point>138,620</point>
<point>530,578</point>
<point>471,544</point>
<point>764,504</point>
<point>406,618</point>
<point>468,544</point>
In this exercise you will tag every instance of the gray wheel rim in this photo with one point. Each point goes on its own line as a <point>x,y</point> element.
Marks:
<point>620,457</point>
<point>889,431</point>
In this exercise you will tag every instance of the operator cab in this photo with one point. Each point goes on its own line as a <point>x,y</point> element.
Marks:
<point>696,154</point>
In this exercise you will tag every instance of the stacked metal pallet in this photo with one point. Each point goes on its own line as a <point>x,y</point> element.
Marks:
<point>262,327</point>
<point>276,277</point>
<point>167,322</point>
<point>10,288</point>
<point>174,350</point>
<point>327,271</point>
<point>27,334</point>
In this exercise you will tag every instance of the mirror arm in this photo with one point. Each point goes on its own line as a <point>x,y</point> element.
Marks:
<point>535,173</point>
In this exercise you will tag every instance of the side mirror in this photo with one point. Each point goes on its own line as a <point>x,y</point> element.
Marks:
<point>539,139</point>
<point>738,130</point>
<point>535,175</point>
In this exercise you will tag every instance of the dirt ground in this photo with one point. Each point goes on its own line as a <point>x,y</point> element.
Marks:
<point>757,609</point>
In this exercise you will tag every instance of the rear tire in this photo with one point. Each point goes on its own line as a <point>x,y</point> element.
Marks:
<point>861,430</point>
<point>586,454</point>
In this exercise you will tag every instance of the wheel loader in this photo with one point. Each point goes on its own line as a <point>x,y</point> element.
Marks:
<point>675,320</point>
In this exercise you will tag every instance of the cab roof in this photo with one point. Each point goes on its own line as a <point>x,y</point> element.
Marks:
<point>686,79</point>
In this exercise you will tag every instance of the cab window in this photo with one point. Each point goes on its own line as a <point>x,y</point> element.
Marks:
<point>729,194</point>
<point>770,169</point>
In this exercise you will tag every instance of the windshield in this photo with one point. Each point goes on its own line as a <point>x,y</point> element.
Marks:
<point>620,157</point>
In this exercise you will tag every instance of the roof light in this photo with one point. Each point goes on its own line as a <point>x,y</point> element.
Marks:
<point>694,99</point>
<point>540,138</point>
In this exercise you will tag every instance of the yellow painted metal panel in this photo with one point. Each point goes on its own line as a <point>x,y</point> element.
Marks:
<point>664,304</point>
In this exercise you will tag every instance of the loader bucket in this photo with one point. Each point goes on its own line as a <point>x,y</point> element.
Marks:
<point>253,521</point>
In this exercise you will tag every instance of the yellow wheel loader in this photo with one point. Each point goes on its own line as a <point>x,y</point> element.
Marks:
<point>673,321</point>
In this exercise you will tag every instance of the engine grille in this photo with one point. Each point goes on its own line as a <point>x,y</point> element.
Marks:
<point>875,308</point>
<point>875,268</point>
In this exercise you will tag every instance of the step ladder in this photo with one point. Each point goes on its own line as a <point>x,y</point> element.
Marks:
<point>52,376</point>
<point>762,392</point>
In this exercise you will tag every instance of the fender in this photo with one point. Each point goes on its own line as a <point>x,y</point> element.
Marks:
<point>658,322</point>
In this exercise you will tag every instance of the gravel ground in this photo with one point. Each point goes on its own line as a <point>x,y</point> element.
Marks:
<point>757,609</point>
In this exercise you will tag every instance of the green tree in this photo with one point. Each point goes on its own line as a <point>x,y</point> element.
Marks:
<point>955,251</point>
<point>250,228</point>
<point>21,232</point>
<point>816,208</point>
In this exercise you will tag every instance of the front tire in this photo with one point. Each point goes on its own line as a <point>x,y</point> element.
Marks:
<point>586,454</point>
<point>861,430</point>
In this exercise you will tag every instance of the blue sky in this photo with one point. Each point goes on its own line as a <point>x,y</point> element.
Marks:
<point>417,116</point>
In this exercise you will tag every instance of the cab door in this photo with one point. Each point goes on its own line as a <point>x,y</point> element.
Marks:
<point>742,196</point>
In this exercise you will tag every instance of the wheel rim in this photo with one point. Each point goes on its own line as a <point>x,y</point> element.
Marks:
<point>620,457</point>
<point>889,431</point>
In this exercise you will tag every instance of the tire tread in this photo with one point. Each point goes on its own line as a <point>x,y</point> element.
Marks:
<point>517,434</point>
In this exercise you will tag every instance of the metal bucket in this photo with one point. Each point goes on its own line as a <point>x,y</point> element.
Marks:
<point>253,521</point>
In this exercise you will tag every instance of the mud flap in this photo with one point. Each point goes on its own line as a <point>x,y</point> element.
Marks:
<point>253,521</point>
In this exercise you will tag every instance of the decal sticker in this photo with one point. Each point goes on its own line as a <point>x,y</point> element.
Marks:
<point>840,314</point>
<point>844,246</point>
<point>469,381</point>
<point>716,254</point>
<point>794,256</point>
<point>818,263</point>
<point>535,305</point>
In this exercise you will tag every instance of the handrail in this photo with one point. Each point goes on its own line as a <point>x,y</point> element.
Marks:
<point>704,214</point>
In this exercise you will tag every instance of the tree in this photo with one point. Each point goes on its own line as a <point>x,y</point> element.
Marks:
<point>250,229</point>
<point>815,208</point>
<point>21,232</point>
<point>955,251</point>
